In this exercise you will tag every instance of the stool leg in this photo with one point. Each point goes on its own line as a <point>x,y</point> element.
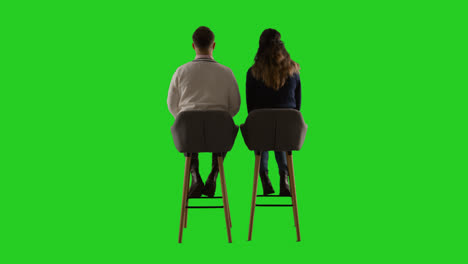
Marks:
<point>186,209</point>
<point>228,208</point>
<point>225,198</point>
<point>187,186</point>
<point>229,211</point>
<point>184,197</point>
<point>254,194</point>
<point>293,194</point>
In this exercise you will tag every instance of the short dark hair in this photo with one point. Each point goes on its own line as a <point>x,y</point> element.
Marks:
<point>203,37</point>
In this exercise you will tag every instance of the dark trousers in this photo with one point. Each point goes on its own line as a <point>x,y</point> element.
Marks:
<point>280,159</point>
<point>214,159</point>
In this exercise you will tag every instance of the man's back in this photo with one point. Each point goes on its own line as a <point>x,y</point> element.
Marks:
<point>203,84</point>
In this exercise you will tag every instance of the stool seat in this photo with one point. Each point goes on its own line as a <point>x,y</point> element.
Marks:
<point>204,131</point>
<point>274,129</point>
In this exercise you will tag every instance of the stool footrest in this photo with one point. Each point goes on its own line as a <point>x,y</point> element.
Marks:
<point>273,205</point>
<point>214,197</point>
<point>204,206</point>
<point>273,195</point>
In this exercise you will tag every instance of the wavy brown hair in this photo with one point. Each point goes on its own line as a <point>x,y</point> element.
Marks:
<point>273,65</point>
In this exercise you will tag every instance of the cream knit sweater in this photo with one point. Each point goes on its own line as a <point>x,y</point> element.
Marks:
<point>203,84</point>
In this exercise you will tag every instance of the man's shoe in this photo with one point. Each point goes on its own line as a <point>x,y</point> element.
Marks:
<point>197,183</point>
<point>210,185</point>
<point>196,189</point>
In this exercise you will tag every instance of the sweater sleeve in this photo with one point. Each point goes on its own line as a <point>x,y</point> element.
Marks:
<point>298,93</point>
<point>249,90</point>
<point>173,96</point>
<point>234,97</point>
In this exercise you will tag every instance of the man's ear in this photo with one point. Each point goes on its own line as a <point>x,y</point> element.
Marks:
<point>214,44</point>
<point>193,45</point>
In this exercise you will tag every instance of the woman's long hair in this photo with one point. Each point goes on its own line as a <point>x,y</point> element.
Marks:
<point>273,65</point>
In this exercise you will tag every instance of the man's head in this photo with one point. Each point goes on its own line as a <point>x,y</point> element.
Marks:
<point>203,41</point>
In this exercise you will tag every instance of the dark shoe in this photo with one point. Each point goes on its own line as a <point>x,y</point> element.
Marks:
<point>266,184</point>
<point>210,185</point>
<point>196,189</point>
<point>197,183</point>
<point>284,184</point>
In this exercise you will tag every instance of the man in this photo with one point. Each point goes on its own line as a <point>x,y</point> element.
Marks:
<point>203,84</point>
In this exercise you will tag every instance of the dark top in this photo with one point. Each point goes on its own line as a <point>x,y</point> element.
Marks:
<point>261,96</point>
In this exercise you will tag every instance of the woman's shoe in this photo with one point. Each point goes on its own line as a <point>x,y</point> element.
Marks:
<point>284,184</point>
<point>266,184</point>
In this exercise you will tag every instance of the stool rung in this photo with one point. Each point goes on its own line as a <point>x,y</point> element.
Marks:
<point>204,206</point>
<point>214,197</point>
<point>274,195</point>
<point>273,205</point>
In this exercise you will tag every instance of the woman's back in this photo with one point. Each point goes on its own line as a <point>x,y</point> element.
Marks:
<point>260,96</point>
<point>273,81</point>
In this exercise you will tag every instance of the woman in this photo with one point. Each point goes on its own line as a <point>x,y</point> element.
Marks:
<point>273,82</point>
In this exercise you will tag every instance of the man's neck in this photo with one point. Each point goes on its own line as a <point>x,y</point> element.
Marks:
<point>203,56</point>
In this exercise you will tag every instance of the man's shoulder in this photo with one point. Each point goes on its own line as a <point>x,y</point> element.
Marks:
<point>224,67</point>
<point>216,65</point>
<point>185,65</point>
<point>184,68</point>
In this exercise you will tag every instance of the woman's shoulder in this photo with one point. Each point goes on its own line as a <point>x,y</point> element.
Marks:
<point>250,74</point>
<point>296,76</point>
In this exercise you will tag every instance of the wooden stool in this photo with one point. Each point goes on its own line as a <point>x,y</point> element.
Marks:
<point>204,131</point>
<point>278,130</point>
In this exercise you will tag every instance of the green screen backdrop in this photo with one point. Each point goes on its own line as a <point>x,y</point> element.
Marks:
<point>89,172</point>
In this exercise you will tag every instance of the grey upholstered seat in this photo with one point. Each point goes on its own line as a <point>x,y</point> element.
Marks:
<point>275,129</point>
<point>204,131</point>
